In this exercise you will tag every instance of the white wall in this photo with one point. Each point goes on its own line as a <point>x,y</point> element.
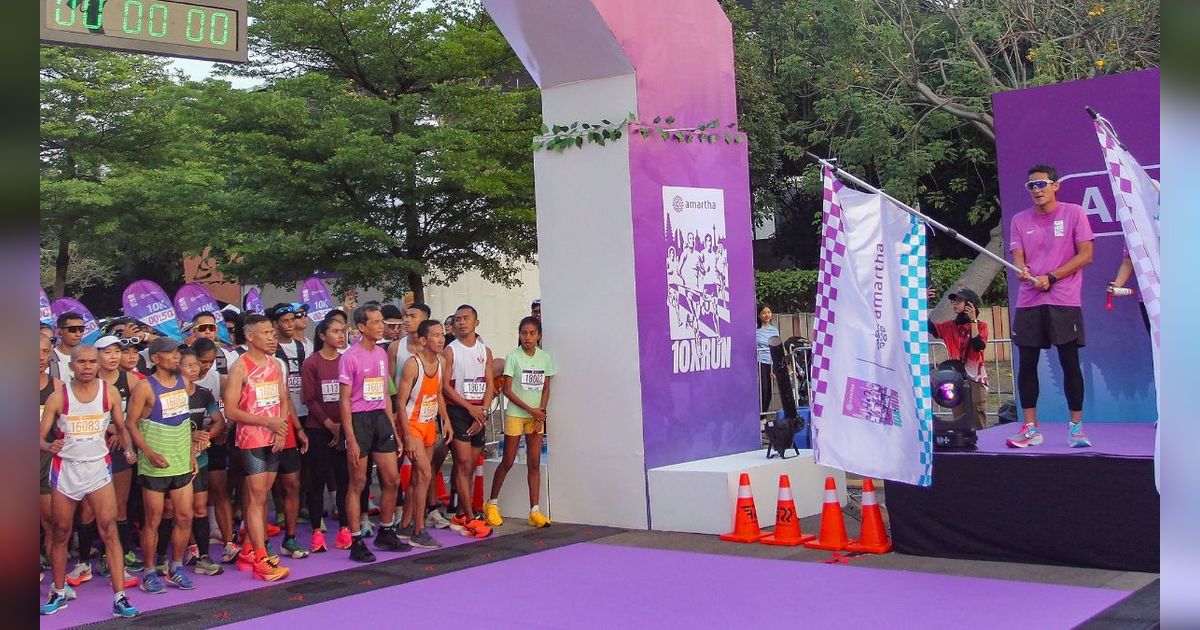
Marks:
<point>500,308</point>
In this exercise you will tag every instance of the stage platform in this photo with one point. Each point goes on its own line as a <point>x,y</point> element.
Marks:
<point>1047,504</point>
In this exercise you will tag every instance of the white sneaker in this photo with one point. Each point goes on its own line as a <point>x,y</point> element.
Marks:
<point>437,519</point>
<point>366,526</point>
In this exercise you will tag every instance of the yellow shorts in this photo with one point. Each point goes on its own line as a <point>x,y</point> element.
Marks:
<point>515,426</point>
<point>427,431</point>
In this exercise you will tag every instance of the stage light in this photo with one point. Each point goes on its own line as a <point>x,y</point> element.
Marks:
<point>950,390</point>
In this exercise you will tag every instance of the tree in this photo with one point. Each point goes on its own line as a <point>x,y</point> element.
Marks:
<point>899,91</point>
<point>389,147</point>
<point>122,181</point>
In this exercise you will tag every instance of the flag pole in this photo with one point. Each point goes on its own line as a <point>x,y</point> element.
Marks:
<point>922,217</point>
<point>1108,125</point>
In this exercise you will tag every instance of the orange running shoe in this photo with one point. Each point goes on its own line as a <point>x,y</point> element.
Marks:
<point>270,570</point>
<point>344,538</point>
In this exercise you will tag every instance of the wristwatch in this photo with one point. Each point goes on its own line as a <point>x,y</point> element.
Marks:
<point>1052,278</point>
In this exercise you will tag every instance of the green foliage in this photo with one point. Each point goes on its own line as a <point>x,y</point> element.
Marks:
<point>786,291</point>
<point>944,272</point>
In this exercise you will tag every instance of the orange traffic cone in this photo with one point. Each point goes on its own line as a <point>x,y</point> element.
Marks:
<point>873,536</point>
<point>745,517</point>
<point>477,491</point>
<point>443,495</point>
<point>787,524</point>
<point>405,474</point>
<point>832,536</point>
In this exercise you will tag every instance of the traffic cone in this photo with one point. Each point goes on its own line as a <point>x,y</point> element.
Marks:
<point>477,491</point>
<point>787,524</point>
<point>405,474</point>
<point>873,536</point>
<point>443,494</point>
<point>832,536</point>
<point>745,517</point>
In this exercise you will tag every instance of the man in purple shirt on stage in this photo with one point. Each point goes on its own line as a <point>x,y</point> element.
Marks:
<point>1052,243</point>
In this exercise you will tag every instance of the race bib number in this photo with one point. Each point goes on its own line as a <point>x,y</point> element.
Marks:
<point>474,390</point>
<point>87,426</point>
<point>374,388</point>
<point>174,403</point>
<point>1060,228</point>
<point>533,380</point>
<point>331,391</point>
<point>266,394</point>
<point>429,409</point>
<point>294,383</point>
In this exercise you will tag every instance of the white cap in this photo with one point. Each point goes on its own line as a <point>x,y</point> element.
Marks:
<point>106,341</point>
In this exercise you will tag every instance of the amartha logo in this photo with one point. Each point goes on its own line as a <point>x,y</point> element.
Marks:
<point>881,337</point>
<point>677,204</point>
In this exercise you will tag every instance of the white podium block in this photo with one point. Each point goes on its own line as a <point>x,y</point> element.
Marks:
<point>699,496</point>
<point>514,496</point>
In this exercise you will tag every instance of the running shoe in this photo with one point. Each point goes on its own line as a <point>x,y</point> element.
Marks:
<point>458,523</point>
<point>280,519</point>
<point>229,553</point>
<point>476,528</point>
<point>423,540</point>
<point>366,526</point>
<point>152,584</point>
<point>317,545</point>
<point>132,562</point>
<point>436,519</point>
<point>122,607</point>
<point>270,570</point>
<point>1030,435</point>
<point>388,541</point>
<point>191,555</point>
<point>102,566</point>
<point>293,549</point>
<point>344,538</point>
<point>491,514</point>
<point>131,580</point>
<point>273,530</point>
<point>359,551</point>
<point>246,560</point>
<point>537,519</point>
<point>179,579</point>
<point>405,533</point>
<point>80,574</point>
<point>205,566</point>
<point>160,564</point>
<point>1076,437</point>
<point>54,602</point>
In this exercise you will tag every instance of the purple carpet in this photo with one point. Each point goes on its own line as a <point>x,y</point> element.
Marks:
<point>1109,439</point>
<point>95,597</point>
<point>609,586</point>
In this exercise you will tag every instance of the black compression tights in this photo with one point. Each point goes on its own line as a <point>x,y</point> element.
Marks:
<point>1027,376</point>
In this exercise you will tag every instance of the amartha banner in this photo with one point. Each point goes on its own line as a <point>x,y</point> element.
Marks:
<point>871,413</point>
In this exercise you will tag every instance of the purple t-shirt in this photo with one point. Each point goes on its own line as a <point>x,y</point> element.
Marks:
<point>1049,241</point>
<point>366,373</point>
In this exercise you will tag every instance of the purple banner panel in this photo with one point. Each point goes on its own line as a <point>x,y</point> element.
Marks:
<point>91,328</point>
<point>192,299</point>
<point>1049,125</point>
<point>45,315</point>
<point>146,302</point>
<point>252,302</point>
<point>315,294</point>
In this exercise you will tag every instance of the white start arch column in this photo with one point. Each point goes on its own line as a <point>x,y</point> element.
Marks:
<point>644,248</point>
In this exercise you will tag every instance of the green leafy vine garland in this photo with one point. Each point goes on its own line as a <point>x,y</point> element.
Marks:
<point>559,138</point>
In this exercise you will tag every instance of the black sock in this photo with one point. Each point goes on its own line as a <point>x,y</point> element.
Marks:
<point>201,530</point>
<point>87,538</point>
<point>165,527</point>
<point>125,533</point>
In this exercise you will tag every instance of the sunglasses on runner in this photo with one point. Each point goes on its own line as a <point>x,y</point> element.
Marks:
<point>206,328</point>
<point>1037,184</point>
<point>391,325</point>
<point>74,329</point>
<point>129,342</point>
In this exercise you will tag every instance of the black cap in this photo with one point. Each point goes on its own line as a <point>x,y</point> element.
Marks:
<point>967,295</point>
<point>391,311</point>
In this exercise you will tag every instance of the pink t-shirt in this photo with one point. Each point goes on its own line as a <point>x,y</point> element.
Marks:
<point>366,373</point>
<point>1049,241</point>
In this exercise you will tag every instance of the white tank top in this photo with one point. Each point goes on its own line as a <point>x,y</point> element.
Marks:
<point>469,372</point>
<point>83,425</point>
<point>402,355</point>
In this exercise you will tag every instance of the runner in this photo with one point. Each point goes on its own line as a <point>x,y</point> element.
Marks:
<point>530,370</point>
<point>204,326</point>
<point>255,400</point>
<point>161,431</point>
<point>393,325</point>
<point>207,423</point>
<point>321,391</point>
<point>46,385</point>
<point>70,334</point>
<point>369,428</point>
<point>81,469</point>
<point>468,395</point>
<point>421,393</point>
<point>219,495</point>
<point>292,351</point>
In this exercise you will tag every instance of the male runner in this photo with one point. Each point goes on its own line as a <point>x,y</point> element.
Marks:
<point>219,495</point>
<point>70,334</point>
<point>393,325</point>
<point>468,395</point>
<point>206,422</point>
<point>1051,242</point>
<point>204,326</point>
<point>163,434</point>
<point>81,469</point>
<point>292,351</point>
<point>369,428</point>
<point>421,395</point>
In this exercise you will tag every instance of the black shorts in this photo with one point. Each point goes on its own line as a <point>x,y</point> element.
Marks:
<point>218,456</point>
<point>200,483</point>
<point>460,421</point>
<point>44,481</point>
<point>289,461</point>
<point>258,461</point>
<point>166,484</point>
<point>119,463</point>
<point>373,432</point>
<point>1048,325</point>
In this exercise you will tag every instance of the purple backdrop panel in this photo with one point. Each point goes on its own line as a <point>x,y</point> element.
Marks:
<point>1048,124</point>
<point>44,313</point>
<point>609,586</point>
<point>315,294</point>
<point>192,299</point>
<point>146,302</point>
<point>91,328</point>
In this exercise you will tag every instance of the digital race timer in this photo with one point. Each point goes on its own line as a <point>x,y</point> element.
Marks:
<point>199,29</point>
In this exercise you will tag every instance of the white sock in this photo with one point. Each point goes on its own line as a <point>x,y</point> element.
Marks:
<point>533,509</point>
<point>494,501</point>
<point>118,595</point>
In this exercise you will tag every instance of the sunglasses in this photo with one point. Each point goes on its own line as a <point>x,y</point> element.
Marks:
<point>74,329</point>
<point>1037,184</point>
<point>206,328</point>
<point>391,325</point>
<point>129,342</point>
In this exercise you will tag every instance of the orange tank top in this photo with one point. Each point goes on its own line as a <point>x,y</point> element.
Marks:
<point>261,395</point>
<point>422,404</point>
